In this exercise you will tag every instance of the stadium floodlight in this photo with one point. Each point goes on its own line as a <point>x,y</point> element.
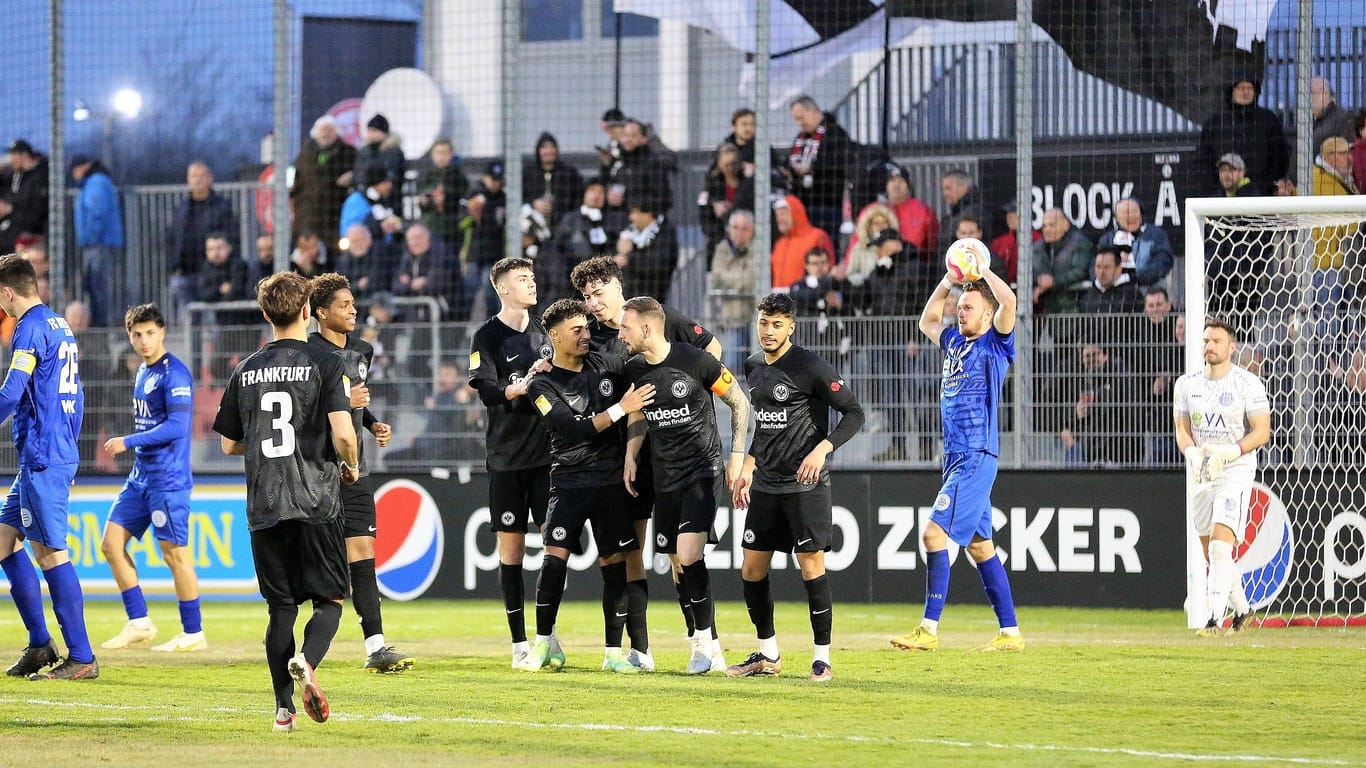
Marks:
<point>1283,271</point>
<point>81,113</point>
<point>127,102</point>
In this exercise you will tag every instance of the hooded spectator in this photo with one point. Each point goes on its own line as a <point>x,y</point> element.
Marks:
<point>796,239</point>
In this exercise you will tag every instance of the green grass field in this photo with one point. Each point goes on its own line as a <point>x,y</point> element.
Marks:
<point>1094,687</point>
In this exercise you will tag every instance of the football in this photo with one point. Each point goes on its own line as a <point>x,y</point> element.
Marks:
<point>965,260</point>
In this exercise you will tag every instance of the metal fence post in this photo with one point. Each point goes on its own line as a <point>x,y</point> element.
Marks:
<point>1024,241</point>
<point>281,140</point>
<point>763,236</point>
<point>56,169</point>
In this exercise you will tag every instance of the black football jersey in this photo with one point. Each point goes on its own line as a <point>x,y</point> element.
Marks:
<point>277,403</point>
<point>581,456</point>
<point>682,418</point>
<point>356,357</point>
<point>515,438</point>
<point>791,400</point>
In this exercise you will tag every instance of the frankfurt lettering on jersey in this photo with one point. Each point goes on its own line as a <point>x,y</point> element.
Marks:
<point>792,398</point>
<point>276,375</point>
<point>277,404</point>
<point>685,442</point>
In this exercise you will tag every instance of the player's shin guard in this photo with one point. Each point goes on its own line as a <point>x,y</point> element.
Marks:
<point>320,630</point>
<point>365,597</point>
<point>133,602</point>
<point>613,603</point>
<point>637,604</point>
<point>28,596</point>
<point>279,650</point>
<point>1222,574</point>
<point>698,583</point>
<point>820,604</point>
<point>936,583</point>
<point>684,605</point>
<point>190,620</point>
<point>997,585</point>
<point>68,604</point>
<point>514,600</point>
<point>549,592</point>
<point>759,603</point>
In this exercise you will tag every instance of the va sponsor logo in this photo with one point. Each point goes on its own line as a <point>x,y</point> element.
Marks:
<point>409,541</point>
<point>1343,535</point>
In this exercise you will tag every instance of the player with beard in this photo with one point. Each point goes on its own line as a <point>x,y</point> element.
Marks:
<point>687,454</point>
<point>507,352</point>
<point>978,351</point>
<point>578,396</point>
<point>599,280</point>
<point>334,307</point>
<point>785,483</point>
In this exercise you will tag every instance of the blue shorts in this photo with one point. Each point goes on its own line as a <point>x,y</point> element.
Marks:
<point>963,506</point>
<point>37,501</point>
<point>168,512</point>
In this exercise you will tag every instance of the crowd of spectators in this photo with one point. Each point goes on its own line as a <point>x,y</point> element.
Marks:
<point>851,239</point>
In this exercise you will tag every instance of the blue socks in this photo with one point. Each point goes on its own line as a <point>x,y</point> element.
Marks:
<point>69,605</point>
<point>133,603</point>
<point>28,596</point>
<point>189,616</point>
<point>937,583</point>
<point>998,591</point>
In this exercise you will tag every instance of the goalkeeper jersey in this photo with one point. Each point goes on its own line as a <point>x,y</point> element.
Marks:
<point>1218,409</point>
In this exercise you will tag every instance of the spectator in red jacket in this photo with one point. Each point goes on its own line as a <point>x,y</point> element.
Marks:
<point>1005,248</point>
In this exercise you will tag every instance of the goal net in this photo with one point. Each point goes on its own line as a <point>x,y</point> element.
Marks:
<point>1290,275</point>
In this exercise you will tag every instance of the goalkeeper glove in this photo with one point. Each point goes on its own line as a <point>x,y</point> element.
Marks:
<point>1219,457</point>
<point>1194,456</point>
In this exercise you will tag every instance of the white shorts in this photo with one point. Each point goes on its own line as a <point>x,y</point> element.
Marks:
<point>1224,502</point>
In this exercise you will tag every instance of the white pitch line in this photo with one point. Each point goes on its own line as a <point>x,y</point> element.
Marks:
<point>387,717</point>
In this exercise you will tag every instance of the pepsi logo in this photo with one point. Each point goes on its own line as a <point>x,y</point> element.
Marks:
<point>1267,552</point>
<point>409,541</point>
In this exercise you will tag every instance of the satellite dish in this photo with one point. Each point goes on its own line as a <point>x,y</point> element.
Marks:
<point>412,102</point>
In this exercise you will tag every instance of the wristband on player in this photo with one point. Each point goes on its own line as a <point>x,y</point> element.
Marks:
<point>616,412</point>
<point>355,470</point>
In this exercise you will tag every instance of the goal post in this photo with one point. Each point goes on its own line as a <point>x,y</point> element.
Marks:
<point>1290,274</point>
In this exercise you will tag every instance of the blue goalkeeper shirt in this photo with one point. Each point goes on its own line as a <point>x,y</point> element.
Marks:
<point>163,402</point>
<point>42,390</point>
<point>970,391</point>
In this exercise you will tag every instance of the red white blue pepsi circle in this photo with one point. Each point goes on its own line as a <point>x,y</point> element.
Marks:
<point>1267,553</point>
<point>409,541</point>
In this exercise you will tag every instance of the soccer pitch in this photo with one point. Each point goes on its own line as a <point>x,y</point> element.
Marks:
<point>1093,688</point>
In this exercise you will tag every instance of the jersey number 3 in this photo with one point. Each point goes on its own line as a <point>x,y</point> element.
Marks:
<point>281,408</point>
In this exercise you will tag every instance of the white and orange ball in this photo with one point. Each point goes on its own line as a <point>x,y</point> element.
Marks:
<point>966,259</point>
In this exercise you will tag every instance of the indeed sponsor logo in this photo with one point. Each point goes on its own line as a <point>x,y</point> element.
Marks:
<point>771,418</point>
<point>661,415</point>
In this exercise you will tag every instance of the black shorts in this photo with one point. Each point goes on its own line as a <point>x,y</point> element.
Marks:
<point>297,562</point>
<point>642,505</point>
<point>518,499</point>
<point>603,506</point>
<point>358,509</point>
<point>689,508</point>
<point>788,522</point>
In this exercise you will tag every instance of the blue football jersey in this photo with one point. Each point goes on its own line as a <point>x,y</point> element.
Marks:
<point>970,390</point>
<point>163,404</point>
<point>43,390</point>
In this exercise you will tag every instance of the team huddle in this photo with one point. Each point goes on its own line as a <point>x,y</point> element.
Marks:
<point>601,417</point>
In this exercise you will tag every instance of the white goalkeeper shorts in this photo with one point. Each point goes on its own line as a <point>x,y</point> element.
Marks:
<point>1223,501</point>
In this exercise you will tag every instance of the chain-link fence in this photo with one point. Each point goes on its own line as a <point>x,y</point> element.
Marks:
<point>638,129</point>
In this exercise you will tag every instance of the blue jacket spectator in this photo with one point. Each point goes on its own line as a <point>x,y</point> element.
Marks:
<point>1152,249</point>
<point>99,220</point>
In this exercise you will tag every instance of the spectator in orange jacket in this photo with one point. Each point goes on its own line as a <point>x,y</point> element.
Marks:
<point>797,238</point>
